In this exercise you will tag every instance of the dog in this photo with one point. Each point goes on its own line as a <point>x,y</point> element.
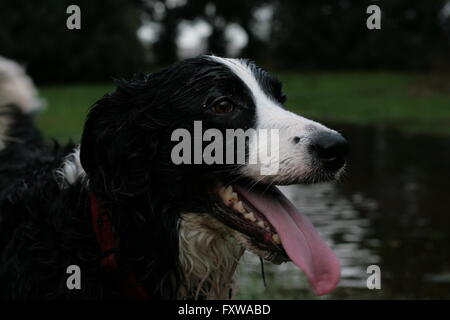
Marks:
<point>131,221</point>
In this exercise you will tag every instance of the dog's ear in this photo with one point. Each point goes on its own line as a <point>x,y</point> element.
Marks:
<point>118,145</point>
<point>120,150</point>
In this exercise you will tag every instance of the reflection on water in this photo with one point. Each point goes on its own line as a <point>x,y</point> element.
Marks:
<point>391,209</point>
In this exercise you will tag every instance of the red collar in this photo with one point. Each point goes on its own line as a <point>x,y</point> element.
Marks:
<point>127,283</point>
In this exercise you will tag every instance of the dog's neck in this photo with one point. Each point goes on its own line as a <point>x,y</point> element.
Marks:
<point>209,256</point>
<point>209,253</point>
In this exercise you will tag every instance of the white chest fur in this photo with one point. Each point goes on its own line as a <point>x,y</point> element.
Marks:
<point>208,257</point>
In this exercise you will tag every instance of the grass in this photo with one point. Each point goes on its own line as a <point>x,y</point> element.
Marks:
<point>412,103</point>
<point>67,108</point>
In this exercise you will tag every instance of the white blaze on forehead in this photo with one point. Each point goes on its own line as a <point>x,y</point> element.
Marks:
<point>242,70</point>
<point>293,157</point>
<point>269,113</point>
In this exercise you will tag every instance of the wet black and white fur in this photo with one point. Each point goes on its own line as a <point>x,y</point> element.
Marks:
<point>161,212</point>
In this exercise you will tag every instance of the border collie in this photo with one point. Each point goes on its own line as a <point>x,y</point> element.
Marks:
<point>135,224</point>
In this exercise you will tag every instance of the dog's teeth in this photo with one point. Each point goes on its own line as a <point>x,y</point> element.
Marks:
<point>261,224</point>
<point>250,216</point>
<point>238,206</point>
<point>222,191</point>
<point>276,238</point>
<point>228,192</point>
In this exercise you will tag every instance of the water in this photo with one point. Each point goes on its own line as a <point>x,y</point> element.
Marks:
<point>392,209</point>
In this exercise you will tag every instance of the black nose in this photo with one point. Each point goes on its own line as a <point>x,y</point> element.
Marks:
<point>330,148</point>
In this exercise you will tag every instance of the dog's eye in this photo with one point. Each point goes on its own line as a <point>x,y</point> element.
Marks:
<point>223,106</point>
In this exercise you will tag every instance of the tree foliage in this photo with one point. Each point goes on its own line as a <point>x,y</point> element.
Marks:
<point>35,33</point>
<point>302,34</point>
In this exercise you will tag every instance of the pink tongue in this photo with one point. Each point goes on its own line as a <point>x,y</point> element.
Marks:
<point>300,240</point>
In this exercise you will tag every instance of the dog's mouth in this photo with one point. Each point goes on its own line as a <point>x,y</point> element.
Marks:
<point>268,224</point>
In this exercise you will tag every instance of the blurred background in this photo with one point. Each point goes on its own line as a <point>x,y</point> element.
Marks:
<point>387,91</point>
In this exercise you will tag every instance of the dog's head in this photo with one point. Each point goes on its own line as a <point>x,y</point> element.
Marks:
<point>189,139</point>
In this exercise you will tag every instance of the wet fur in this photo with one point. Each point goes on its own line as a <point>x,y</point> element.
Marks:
<point>45,222</point>
<point>158,210</point>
